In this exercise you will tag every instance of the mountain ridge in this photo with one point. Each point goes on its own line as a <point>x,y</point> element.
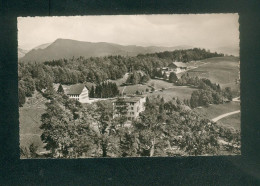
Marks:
<point>67,48</point>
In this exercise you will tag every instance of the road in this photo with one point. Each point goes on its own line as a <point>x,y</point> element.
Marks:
<point>224,115</point>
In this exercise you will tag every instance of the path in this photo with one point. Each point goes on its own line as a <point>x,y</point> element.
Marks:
<point>123,90</point>
<point>224,115</point>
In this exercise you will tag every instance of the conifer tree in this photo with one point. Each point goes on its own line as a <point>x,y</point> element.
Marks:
<point>92,92</point>
<point>60,89</point>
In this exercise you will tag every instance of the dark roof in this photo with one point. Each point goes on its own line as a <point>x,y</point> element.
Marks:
<point>89,85</point>
<point>178,64</point>
<point>130,99</point>
<point>76,89</point>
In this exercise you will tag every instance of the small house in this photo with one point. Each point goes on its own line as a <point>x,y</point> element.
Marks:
<point>177,67</point>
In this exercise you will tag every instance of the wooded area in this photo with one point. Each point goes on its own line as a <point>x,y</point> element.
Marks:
<point>40,76</point>
<point>72,130</point>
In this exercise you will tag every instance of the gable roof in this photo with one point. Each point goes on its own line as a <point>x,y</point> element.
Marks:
<point>130,99</point>
<point>178,64</point>
<point>89,85</point>
<point>76,89</point>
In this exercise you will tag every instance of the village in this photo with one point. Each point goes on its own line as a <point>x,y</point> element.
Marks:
<point>135,103</point>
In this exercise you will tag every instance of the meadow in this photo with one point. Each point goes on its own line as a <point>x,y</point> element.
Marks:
<point>164,89</point>
<point>221,70</point>
<point>174,92</point>
<point>213,111</point>
<point>30,121</point>
<point>233,121</point>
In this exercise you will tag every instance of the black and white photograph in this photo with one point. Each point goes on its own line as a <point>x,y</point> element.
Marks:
<point>120,86</point>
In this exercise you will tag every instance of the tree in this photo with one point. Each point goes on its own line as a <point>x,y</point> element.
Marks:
<point>165,76</point>
<point>64,135</point>
<point>92,92</point>
<point>194,100</point>
<point>107,137</point>
<point>228,93</point>
<point>145,78</point>
<point>120,110</point>
<point>21,96</point>
<point>173,78</point>
<point>60,89</point>
<point>49,92</point>
<point>33,149</point>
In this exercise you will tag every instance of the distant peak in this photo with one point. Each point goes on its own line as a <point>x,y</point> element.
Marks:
<point>59,39</point>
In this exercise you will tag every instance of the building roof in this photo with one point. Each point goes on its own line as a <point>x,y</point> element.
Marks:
<point>89,85</point>
<point>76,89</point>
<point>178,64</point>
<point>130,99</point>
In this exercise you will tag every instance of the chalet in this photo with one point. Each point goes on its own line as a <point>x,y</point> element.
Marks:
<point>177,67</point>
<point>135,105</point>
<point>167,71</point>
<point>79,92</point>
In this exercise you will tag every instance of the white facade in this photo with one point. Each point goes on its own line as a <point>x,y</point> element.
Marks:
<point>84,96</point>
<point>134,107</point>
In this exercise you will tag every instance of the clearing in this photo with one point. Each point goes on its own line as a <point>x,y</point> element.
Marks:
<point>170,90</point>
<point>225,115</point>
<point>181,92</point>
<point>221,70</point>
<point>232,121</point>
<point>214,111</point>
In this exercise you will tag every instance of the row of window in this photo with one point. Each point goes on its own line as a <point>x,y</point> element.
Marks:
<point>74,96</point>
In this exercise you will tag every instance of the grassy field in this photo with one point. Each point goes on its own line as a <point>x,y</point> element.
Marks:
<point>170,90</point>
<point>176,91</point>
<point>159,84</point>
<point>232,121</point>
<point>215,110</point>
<point>30,121</point>
<point>221,70</point>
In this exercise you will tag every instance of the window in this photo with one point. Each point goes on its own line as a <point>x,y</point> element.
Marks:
<point>132,108</point>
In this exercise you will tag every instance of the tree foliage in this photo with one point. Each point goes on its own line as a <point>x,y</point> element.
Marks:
<point>39,76</point>
<point>172,77</point>
<point>60,89</point>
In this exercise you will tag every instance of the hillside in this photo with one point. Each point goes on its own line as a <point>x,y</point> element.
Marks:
<point>221,70</point>
<point>30,121</point>
<point>66,48</point>
<point>21,52</point>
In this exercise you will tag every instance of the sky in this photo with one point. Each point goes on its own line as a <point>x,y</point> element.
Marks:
<point>209,31</point>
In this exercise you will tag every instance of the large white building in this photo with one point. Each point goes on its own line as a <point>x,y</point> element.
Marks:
<point>134,106</point>
<point>79,92</point>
